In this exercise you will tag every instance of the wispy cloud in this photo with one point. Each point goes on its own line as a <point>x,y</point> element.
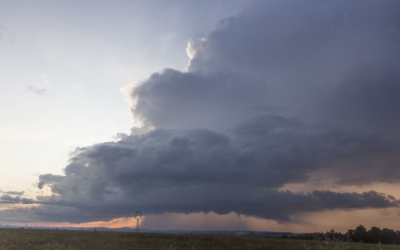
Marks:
<point>6,34</point>
<point>38,91</point>
<point>12,192</point>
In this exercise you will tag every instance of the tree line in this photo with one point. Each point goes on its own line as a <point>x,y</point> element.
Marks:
<point>359,234</point>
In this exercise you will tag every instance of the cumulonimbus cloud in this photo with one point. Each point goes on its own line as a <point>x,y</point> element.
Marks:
<point>202,170</point>
<point>269,97</point>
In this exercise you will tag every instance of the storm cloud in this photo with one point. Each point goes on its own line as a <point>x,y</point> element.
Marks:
<point>269,98</point>
<point>305,58</point>
<point>203,171</point>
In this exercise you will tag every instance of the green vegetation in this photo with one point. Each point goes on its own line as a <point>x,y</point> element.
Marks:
<point>360,234</point>
<point>31,239</point>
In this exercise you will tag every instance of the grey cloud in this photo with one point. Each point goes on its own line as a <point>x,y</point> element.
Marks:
<point>308,36</point>
<point>368,101</point>
<point>36,90</point>
<point>48,179</point>
<point>331,62</point>
<point>272,204</point>
<point>176,100</point>
<point>120,136</point>
<point>7,199</point>
<point>13,192</point>
<point>287,54</point>
<point>202,170</point>
<point>268,99</point>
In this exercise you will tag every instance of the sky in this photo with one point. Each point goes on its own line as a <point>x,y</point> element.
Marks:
<point>204,115</point>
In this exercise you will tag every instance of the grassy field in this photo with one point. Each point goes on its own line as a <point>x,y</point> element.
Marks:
<point>31,239</point>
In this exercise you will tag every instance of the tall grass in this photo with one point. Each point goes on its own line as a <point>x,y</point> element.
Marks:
<point>19,239</point>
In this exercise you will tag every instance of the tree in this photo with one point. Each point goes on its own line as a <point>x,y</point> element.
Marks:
<point>374,235</point>
<point>360,234</point>
<point>350,234</point>
<point>388,236</point>
<point>397,237</point>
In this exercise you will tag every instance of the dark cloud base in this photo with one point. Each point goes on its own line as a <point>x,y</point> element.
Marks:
<point>205,171</point>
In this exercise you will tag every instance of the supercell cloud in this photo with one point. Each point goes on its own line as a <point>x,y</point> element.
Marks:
<point>283,91</point>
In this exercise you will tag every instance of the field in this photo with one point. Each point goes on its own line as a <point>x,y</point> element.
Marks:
<point>31,239</point>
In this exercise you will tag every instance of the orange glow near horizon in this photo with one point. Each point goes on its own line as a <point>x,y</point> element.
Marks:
<point>115,223</point>
<point>323,221</point>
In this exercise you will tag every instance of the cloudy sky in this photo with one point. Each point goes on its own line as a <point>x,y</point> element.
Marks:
<point>257,115</point>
